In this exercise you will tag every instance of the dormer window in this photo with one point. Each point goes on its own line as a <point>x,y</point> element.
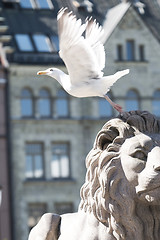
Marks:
<point>26,4</point>
<point>24,42</point>
<point>45,4</point>
<point>42,43</point>
<point>40,4</point>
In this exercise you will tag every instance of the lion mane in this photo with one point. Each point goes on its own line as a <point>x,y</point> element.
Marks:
<point>106,192</point>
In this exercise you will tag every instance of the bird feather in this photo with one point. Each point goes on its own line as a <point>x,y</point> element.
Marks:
<point>83,57</point>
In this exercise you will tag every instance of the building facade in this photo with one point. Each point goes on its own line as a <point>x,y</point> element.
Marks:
<point>52,132</point>
<point>5,188</point>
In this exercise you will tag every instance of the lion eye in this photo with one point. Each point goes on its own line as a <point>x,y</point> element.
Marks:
<point>140,155</point>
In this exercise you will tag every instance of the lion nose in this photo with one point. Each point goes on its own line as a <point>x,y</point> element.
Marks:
<point>154,158</point>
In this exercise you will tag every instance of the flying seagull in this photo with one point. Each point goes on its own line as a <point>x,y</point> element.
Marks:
<point>84,56</point>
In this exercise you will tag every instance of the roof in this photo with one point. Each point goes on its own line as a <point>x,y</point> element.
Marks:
<point>113,17</point>
<point>37,21</point>
<point>151,17</point>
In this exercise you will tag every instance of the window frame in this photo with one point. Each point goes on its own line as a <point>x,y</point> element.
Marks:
<point>132,99</point>
<point>49,2</point>
<point>142,52</point>
<point>60,177</point>
<point>33,155</point>
<point>120,55</point>
<point>34,4</point>
<point>49,101</point>
<point>18,42</point>
<point>104,101</point>
<point>31,98</point>
<point>69,207</point>
<point>130,50</point>
<point>58,98</point>
<point>32,208</point>
<point>37,43</point>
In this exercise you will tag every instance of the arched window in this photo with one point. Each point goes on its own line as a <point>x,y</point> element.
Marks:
<point>26,103</point>
<point>156,103</point>
<point>44,103</point>
<point>132,100</point>
<point>105,108</point>
<point>62,104</point>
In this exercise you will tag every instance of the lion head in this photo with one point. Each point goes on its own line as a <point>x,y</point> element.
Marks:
<point>122,187</point>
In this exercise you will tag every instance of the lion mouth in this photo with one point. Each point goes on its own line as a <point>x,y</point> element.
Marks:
<point>140,191</point>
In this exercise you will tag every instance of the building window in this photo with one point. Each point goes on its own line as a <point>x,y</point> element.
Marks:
<point>45,4</point>
<point>55,43</point>
<point>26,103</point>
<point>156,103</point>
<point>63,207</point>
<point>130,50</point>
<point>141,53</point>
<point>105,108</point>
<point>26,3</point>
<point>119,52</point>
<point>62,104</point>
<point>60,167</point>
<point>35,212</point>
<point>34,160</point>
<point>42,43</point>
<point>44,103</point>
<point>24,42</point>
<point>132,100</point>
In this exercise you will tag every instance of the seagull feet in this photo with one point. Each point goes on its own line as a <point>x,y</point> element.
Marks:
<point>114,105</point>
<point>118,107</point>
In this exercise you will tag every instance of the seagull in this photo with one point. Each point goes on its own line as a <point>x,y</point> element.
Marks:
<point>84,57</point>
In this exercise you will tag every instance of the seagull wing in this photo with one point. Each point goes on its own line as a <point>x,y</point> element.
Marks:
<point>93,34</point>
<point>79,54</point>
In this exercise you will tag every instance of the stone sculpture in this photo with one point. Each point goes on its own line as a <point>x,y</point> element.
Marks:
<point>120,198</point>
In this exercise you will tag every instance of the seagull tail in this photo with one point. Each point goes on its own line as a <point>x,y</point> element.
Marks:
<point>120,74</point>
<point>117,75</point>
<point>110,80</point>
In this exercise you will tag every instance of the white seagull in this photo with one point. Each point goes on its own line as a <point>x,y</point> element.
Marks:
<point>84,57</point>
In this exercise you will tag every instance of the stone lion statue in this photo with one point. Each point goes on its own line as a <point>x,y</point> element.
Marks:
<point>120,198</point>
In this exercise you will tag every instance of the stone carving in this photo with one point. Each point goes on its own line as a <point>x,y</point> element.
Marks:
<point>120,198</point>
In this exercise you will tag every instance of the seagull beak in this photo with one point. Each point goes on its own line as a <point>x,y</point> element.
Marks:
<point>42,73</point>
